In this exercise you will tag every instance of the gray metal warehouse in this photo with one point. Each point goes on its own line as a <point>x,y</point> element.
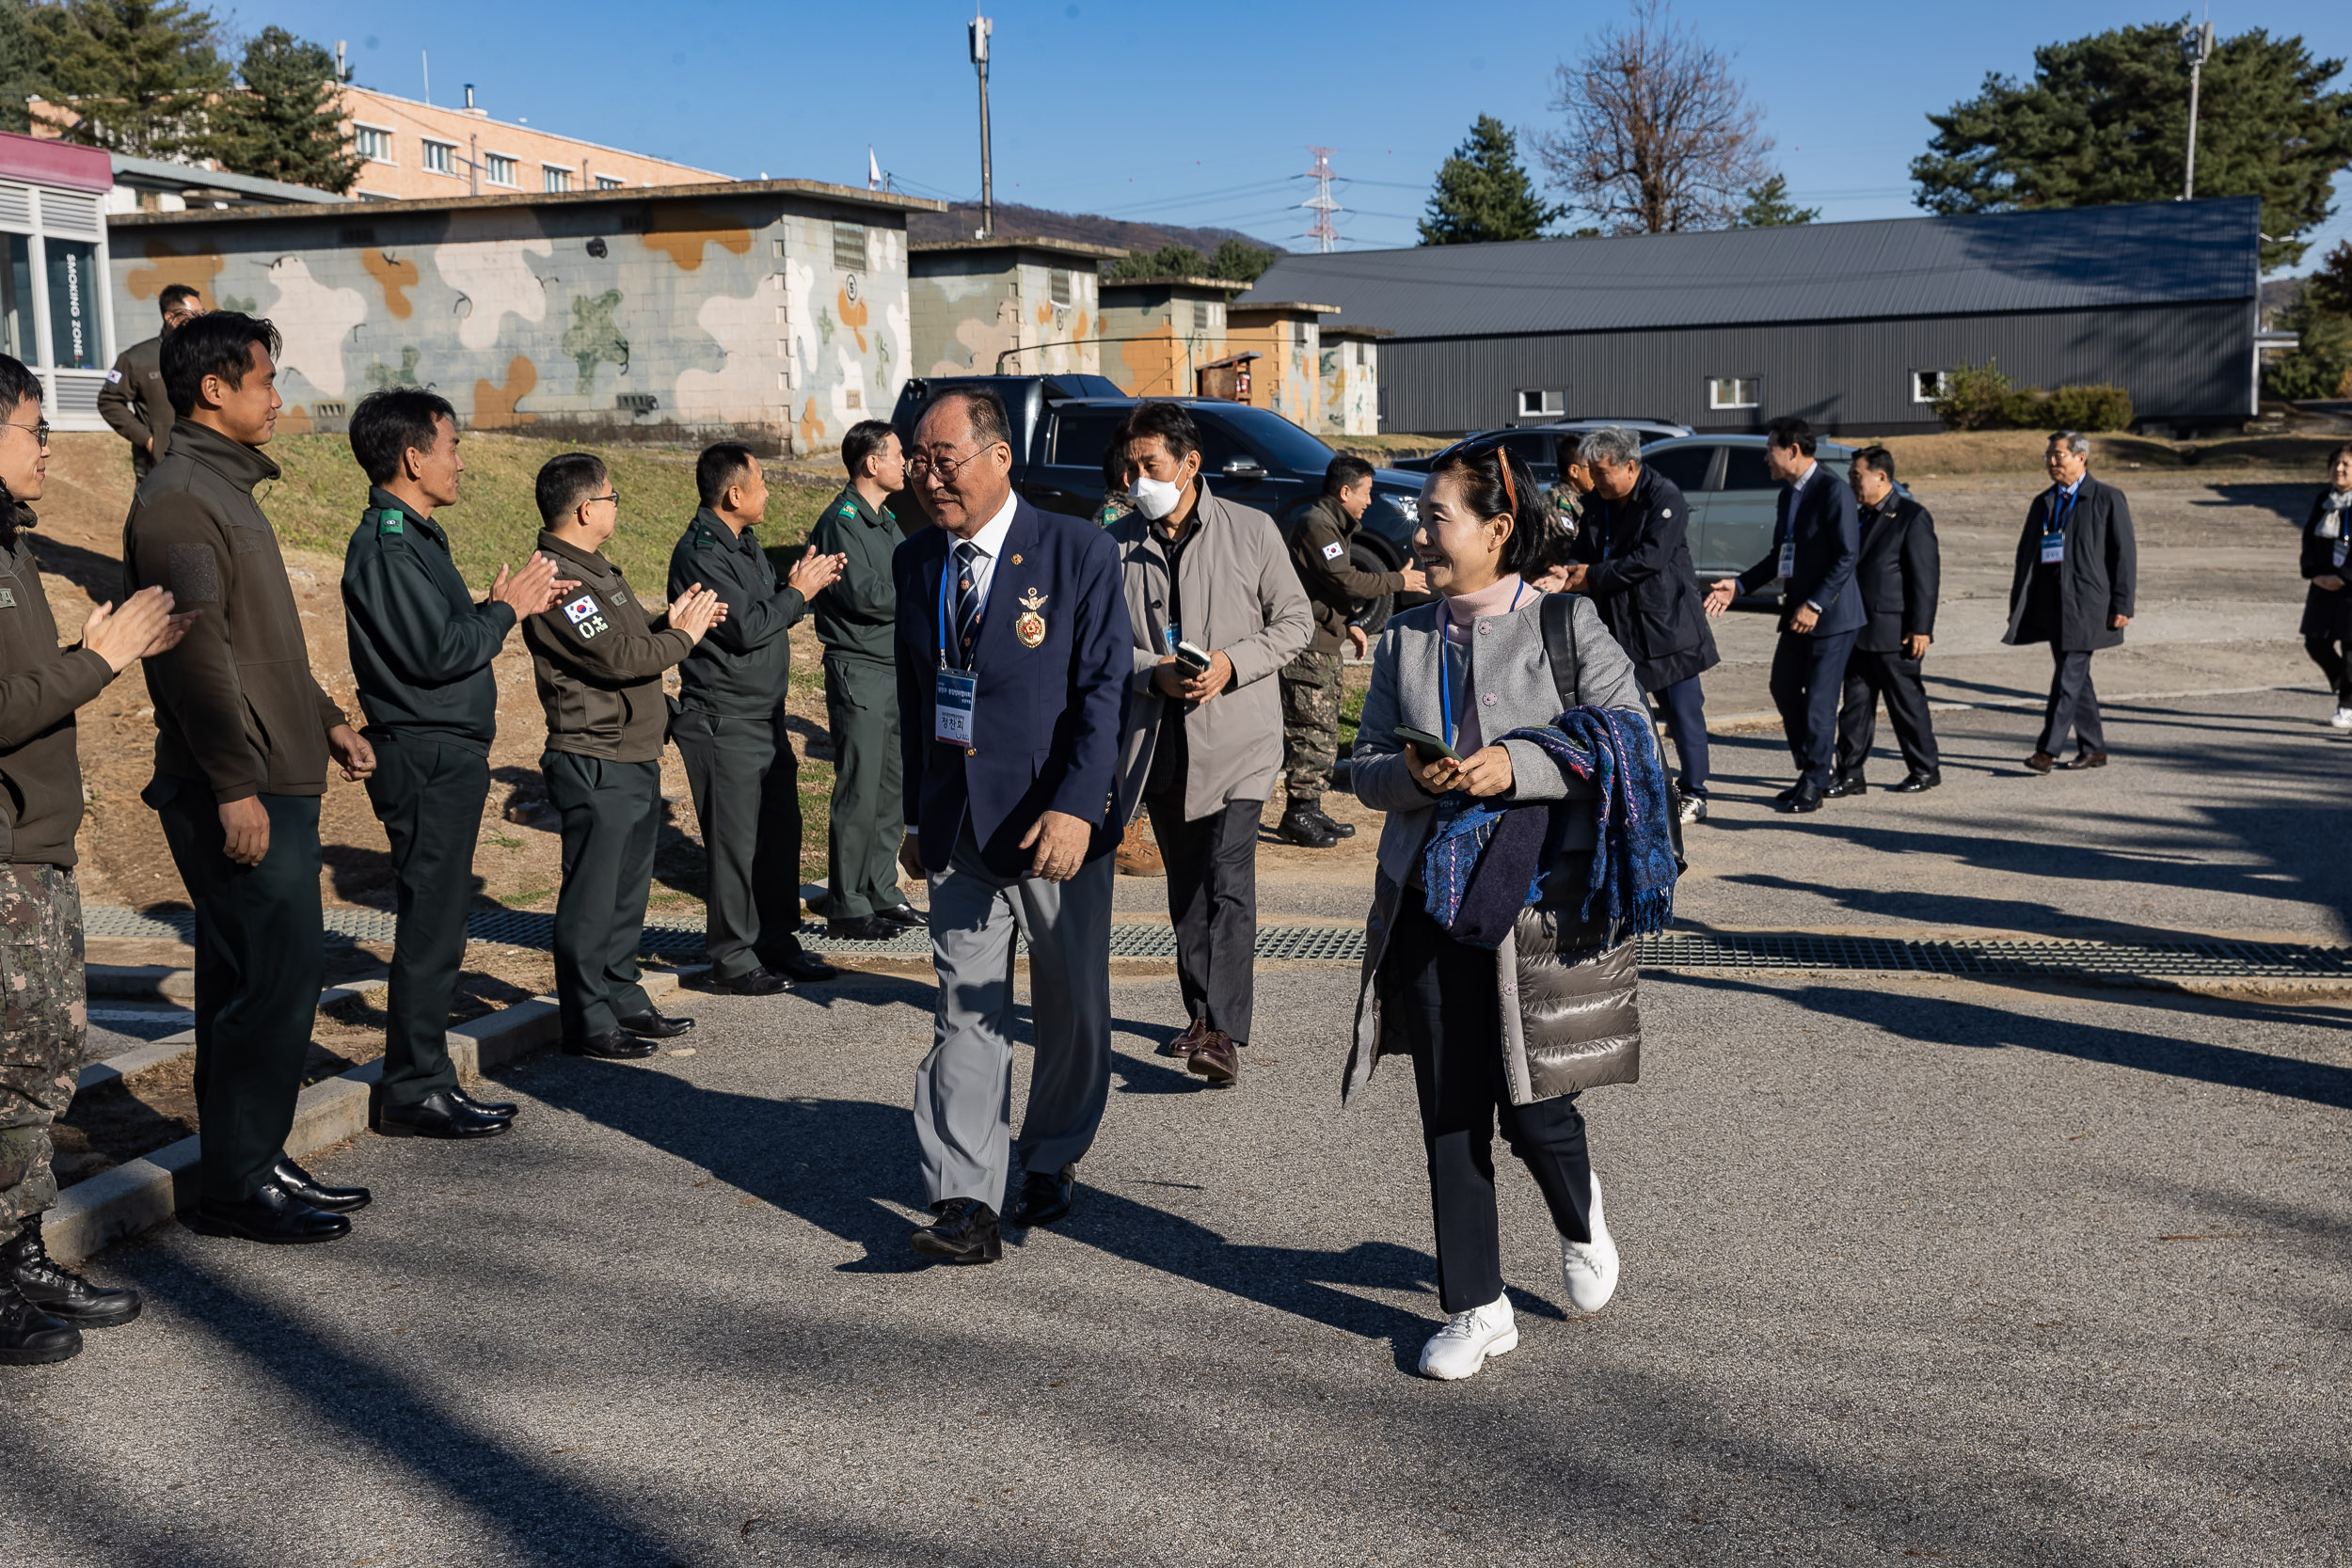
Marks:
<point>1846,324</point>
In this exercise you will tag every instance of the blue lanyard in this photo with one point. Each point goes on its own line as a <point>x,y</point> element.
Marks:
<point>2060,511</point>
<point>1445,680</point>
<point>946,573</point>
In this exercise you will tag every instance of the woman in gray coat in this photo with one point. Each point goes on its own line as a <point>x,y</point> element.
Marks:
<point>1512,1032</point>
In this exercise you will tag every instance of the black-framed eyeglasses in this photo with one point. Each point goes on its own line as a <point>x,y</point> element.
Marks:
<point>613,496</point>
<point>921,465</point>
<point>40,431</point>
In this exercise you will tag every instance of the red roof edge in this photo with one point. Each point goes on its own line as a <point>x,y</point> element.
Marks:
<point>44,162</point>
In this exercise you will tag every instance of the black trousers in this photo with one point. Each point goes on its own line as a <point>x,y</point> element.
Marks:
<point>428,794</point>
<point>1212,899</point>
<point>261,957</point>
<point>2328,654</point>
<point>746,784</point>
<point>1441,993</point>
<point>1868,677</point>
<point>1808,676</point>
<point>2073,705</point>
<point>1684,705</point>
<point>611,818</point>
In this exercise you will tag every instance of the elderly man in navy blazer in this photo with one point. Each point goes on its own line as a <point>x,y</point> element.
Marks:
<point>1013,664</point>
<point>1815,543</point>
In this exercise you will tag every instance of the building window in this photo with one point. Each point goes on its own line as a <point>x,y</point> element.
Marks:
<point>607,183</point>
<point>371,142</point>
<point>1199,316</point>
<point>1735,392</point>
<point>1926,386</point>
<point>1359,353</point>
<point>556,177</point>
<point>848,246</point>
<point>1541,403</point>
<point>441,157</point>
<point>1058,285</point>
<point>497,169</point>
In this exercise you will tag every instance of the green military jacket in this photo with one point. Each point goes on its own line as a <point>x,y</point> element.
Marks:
<point>40,685</point>
<point>134,402</point>
<point>236,706</point>
<point>740,670</point>
<point>597,661</point>
<point>858,615</point>
<point>420,647</point>
<point>1320,551</point>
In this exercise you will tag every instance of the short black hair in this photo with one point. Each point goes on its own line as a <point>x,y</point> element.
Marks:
<point>865,439</point>
<point>720,467</point>
<point>173,294</point>
<point>1496,482</point>
<point>389,425</point>
<point>983,408</point>
<point>1881,461</point>
<point>219,343</point>
<point>1790,430</point>
<point>17,382</point>
<point>1344,471</point>
<point>564,481</point>
<point>1167,420</point>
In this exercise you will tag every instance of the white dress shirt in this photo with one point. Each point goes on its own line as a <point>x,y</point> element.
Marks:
<point>990,540</point>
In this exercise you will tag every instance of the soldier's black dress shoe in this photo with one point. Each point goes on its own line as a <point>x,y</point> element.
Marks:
<point>904,914</point>
<point>53,1288</point>
<point>1045,1196</point>
<point>2085,759</point>
<point>1841,787</point>
<point>1802,798</point>
<point>1918,781</point>
<point>318,1195</point>
<point>653,1024</point>
<point>761,981</point>
<point>272,1215</point>
<point>30,1337</point>
<point>487,1107</point>
<point>1332,825</point>
<point>804,967</point>
<point>438,1115</point>
<point>965,1232</point>
<point>862,927</point>
<point>613,1045</point>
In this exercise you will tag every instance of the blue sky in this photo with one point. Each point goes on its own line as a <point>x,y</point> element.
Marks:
<point>1199,113</point>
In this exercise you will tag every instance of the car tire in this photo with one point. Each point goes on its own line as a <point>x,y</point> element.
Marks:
<point>1373,616</point>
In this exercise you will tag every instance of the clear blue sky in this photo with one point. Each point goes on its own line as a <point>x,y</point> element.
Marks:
<point>1199,113</point>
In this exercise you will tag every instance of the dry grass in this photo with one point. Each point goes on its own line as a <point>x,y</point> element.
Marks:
<point>2004,453</point>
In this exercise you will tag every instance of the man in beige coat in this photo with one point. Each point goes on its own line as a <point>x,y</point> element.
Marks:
<point>1216,610</point>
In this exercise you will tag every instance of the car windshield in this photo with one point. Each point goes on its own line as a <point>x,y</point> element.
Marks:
<point>1282,444</point>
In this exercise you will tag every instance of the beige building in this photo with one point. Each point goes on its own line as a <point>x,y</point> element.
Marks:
<point>1287,373</point>
<point>1163,332</point>
<point>1025,306</point>
<point>1350,370</point>
<point>424,150</point>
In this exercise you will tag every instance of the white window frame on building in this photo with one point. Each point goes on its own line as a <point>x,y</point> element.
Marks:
<point>372,142</point>
<point>1732,392</point>
<point>1532,402</point>
<point>441,157</point>
<point>555,179</point>
<point>53,246</point>
<point>493,162</point>
<point>1927,385</point>
<point>610,182</point>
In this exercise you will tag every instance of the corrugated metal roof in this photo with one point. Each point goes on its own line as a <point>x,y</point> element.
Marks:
<point>2077,258</point>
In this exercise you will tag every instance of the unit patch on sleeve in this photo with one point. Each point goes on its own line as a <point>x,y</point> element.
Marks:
<point>114,375</point>
<point>585,613</point>
<point>1333,550</point>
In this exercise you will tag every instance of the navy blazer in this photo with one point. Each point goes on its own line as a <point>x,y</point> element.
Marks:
<point>1901,573</point>
<point>1045,721</point>
<point>1829,540</point>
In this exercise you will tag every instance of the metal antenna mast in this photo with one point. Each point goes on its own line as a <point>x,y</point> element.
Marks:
<point>979,28</point>
<point>1326,238</point>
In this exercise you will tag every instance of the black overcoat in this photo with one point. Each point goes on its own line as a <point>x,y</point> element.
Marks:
<point>1642,582</point>
<point>2096,581</point>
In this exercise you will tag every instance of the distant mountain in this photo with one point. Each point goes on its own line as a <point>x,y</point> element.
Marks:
<point>960,219</point>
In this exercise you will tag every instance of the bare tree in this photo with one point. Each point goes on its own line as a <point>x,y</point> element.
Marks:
<point>1659,134</point>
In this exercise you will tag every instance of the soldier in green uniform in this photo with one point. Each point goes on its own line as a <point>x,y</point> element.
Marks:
<point>856,619</point>
<point>133,401</point>
<point>43,1306</point>
<point>597,661</point>
<point>243,739</point>
<point>420,651</point>
<point>739,764</point>
<point>1310,683</point>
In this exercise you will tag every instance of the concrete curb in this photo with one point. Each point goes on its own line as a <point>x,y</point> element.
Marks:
<point>145,1193</point>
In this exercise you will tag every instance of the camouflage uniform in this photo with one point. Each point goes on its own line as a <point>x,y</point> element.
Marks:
<point>1310,725</point>
<point>41,1034</point>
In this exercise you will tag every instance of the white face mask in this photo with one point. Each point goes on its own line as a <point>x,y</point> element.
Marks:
<point>1154,497</point>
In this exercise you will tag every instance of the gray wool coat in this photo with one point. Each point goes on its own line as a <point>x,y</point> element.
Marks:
<point>1570,1018</point>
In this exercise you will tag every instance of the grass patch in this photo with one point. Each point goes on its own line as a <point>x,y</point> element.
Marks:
<point>2019,452</point>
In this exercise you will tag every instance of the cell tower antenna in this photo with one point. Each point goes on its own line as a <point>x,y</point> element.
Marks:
<point>1326,237</point>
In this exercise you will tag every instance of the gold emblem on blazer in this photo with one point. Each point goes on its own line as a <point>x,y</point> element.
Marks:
<point>1030,628</point>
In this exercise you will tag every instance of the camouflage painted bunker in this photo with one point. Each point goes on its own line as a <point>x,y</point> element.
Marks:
<point>1160,333</point>
<point>1024,306</point>
<point>1287,373</point>
<point>772,310</point>
<point>1350,370</point>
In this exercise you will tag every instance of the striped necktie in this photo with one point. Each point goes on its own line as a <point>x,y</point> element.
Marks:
<point>967,598</point>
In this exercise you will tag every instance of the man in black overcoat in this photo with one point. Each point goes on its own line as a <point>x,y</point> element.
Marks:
<point>1898,572</point>
<point>2076,568</point>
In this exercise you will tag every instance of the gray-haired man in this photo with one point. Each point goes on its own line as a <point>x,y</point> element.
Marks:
<point>2076,568</point>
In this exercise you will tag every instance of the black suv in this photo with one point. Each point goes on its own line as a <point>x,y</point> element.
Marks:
<point>1062,424</point>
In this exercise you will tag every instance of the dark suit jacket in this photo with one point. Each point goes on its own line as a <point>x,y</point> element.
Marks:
<point>1828,540</point>
<point>2097,581</point>
<point>1643,583</point>
<point>1899,571</point>
<point>1046,720</point>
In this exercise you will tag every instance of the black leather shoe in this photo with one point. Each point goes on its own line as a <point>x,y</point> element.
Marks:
<point>438,1115</point>
<point>1306,830</point>
<point>2085,759</point>
<point>806,968</point>
<point>904,914</point>
<point>762,981</point>
<point>30,1337</point>
<point>613,1045</point>
<point>56,1290</point>
<point>862,927</point>
<point>965,1232</point>
<point>653,1024</point>
<point>301,1184</point>
<point>1788,795</point>
<point>1918,781</point>
<point>1802,798</point>
<point>487,1107</point>
<point>1044,1197</point>
<point>1332,825</point>
<point>1841,787</point>
<point>272,1215</point>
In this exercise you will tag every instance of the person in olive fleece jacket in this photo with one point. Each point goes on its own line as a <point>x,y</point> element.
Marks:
<point>43,1307</point>
<point>597,662</point>
<point>243,739</point>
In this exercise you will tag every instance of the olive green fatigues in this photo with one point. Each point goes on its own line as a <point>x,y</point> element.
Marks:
<point>739,764</point>
<point>238,716</point>
<point>856,618</point>
<point>597,661</point>
<point>421,649</point>
<point>135,403</point>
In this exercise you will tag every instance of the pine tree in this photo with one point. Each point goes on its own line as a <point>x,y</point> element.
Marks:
<point>1482,192</point>
<point>141,76</point>
<point>19,66</point>
<point>1240,260</point>
<point>1169,260</point>
<point>288,122</point>
<point>1769,207</point>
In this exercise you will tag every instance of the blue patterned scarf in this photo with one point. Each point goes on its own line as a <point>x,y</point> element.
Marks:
<point>1487,860</point>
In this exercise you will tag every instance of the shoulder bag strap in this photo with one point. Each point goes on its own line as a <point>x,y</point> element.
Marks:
<point>1559,615</point>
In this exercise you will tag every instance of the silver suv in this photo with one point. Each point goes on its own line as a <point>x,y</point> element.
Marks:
<point>1733,502</point>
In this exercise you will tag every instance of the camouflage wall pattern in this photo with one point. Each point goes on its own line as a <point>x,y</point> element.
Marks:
<point>1287,376</point>
<point>1350,374</point>
<point>970,301</point>
<point>1157,333</point>
<point>770,311</point>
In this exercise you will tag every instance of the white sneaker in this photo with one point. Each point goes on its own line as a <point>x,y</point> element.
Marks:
<point>1590,1268</point>
<point>1694,809</point>
<point>1462,1346</point>
<point>2342,721</point>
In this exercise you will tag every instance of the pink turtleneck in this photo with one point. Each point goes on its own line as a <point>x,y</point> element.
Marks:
<point>1463,611</point>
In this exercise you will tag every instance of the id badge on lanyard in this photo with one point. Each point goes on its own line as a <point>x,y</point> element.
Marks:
<point>1789,557</point>
<point>2341,543</point>
<point>954,698</point>
<point>2053,548</point>
<point>2054,537</point>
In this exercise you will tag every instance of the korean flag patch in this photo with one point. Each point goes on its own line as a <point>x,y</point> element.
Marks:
<point>1333,550</point>
<point>581,609</point>
<point>114,375</point>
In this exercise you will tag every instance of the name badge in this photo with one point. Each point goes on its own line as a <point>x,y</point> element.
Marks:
<point>1168,639</point>
<point>1789,557</point>
<point>2053,548</point>
<point>2338,555</point>
<point>951,706</point>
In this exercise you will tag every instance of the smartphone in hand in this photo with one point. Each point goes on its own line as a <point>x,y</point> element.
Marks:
<point>1192,659</point>
<point>1426,744</point>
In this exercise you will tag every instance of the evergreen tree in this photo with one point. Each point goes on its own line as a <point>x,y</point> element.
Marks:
<point>2320,365</point>
<point>1482,192</point>
<point>1769,207</point>
<point>288,122</point>
<point>1240,260</point>
<point>141,76</point>
<point>1169,260</point>
<point>19,66</point>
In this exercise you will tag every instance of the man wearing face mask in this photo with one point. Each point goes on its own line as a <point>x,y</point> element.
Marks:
<point>1215,608</point>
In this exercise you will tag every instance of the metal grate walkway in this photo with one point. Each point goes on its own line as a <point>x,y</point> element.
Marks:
<point>1702,951</point>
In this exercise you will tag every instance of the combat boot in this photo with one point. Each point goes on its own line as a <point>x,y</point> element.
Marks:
<point>57,1290</point>
<point>1307,829</point>
<point>30,1337</point>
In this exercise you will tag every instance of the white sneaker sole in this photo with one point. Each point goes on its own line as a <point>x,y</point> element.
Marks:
<point>1503,1346</point>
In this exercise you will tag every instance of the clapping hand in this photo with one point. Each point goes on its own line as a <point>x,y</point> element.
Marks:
<point>532,591</point>
<point>813,573</point>
<point>696,611</point>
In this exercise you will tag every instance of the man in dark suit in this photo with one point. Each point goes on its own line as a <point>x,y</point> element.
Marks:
<point>1815,541</point>
<point>2077,567</point>
<point>1013,658</point>
<point>1899,572</point>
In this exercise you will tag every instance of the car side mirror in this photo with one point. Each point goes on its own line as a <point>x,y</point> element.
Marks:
<point>1243,467</point>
